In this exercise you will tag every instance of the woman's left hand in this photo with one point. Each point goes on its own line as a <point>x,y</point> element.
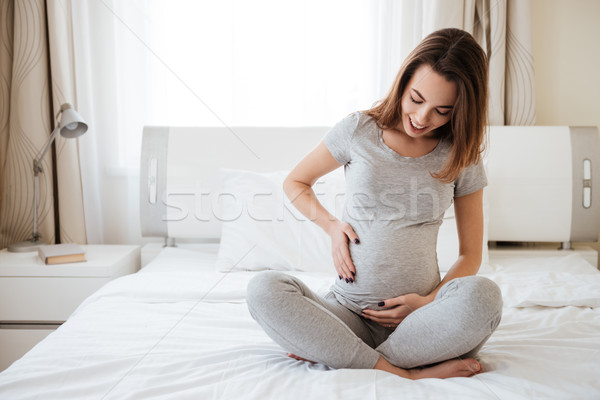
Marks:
<point>396,309</point>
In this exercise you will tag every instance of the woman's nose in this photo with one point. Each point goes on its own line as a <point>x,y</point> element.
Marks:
<point>423,116</point>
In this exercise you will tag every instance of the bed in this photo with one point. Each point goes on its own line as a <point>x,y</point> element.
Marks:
<point>179,328</point>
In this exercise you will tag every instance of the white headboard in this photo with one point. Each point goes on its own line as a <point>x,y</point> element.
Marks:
<point>544,182</point>
<point>179,171</point>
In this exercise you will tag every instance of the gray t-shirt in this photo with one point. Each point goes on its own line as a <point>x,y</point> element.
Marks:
<point>396,208</point>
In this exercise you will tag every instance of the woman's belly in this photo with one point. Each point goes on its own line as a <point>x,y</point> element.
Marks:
<point>389,263</point>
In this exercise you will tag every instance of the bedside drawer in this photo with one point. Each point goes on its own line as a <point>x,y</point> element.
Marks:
<point>44,298</point>
<point>16,342</point>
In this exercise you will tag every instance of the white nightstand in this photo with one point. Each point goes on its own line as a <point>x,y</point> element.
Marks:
<point>36,298</point>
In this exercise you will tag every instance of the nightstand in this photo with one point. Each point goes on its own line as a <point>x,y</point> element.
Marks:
<point>36,298</point>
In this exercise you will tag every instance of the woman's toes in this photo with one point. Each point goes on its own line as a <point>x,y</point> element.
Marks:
<point>475,366</point>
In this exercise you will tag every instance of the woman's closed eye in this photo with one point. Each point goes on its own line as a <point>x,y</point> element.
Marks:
<point>436,110</point>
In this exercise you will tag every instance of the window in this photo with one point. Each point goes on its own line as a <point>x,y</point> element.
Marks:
<point>235,63</point>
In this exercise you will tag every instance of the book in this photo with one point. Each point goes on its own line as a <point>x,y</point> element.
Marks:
<point>61,253</point>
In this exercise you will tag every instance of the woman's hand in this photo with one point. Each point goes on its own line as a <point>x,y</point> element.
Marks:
<point>396,309</point>
<point>341,232</point>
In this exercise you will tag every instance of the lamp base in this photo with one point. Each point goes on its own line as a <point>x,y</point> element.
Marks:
<point>25,246</point>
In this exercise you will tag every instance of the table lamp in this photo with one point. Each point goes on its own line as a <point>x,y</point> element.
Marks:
<point>70,125</point>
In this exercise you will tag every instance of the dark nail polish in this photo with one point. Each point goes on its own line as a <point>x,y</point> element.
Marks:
<point>340,277</point>
<point>351,280</point>
<point>353,273</point>
<point>381,304</point>
<point>356,241</point>
<point>347,281</point>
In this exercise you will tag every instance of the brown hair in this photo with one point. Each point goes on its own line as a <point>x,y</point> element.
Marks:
<point>455,55</point>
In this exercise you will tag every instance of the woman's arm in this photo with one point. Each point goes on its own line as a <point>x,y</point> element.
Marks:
<point>469,222</point>
<point>298,187</point>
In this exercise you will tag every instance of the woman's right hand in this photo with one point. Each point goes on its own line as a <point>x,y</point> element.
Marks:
<point>340,233</point>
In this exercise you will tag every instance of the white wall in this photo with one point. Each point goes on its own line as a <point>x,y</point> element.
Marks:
<point>566,51</point>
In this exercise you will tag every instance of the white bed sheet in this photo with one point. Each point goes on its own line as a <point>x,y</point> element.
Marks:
<point>179,329</point>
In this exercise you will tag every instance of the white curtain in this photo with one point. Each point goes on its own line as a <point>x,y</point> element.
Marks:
<point>207,63</point>
<point>64,90</point>
<point>265,62</point>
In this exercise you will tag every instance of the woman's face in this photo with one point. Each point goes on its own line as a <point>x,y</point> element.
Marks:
<point>427,102</point>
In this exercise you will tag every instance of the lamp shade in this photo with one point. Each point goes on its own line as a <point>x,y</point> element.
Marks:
<point>71,124</point>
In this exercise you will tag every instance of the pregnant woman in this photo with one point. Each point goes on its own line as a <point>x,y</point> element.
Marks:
<point>406,160</point>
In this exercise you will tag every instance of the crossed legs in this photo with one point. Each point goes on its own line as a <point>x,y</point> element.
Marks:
<point>456,324</point>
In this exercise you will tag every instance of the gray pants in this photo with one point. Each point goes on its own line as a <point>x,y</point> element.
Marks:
<point>464,314</point>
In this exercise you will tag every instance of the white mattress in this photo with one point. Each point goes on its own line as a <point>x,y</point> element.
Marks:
<point>180,330</point>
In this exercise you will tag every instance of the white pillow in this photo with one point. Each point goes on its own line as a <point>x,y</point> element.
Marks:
<point>261,229</point>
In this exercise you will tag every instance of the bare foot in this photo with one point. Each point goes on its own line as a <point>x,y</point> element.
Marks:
<point>291,355</point>
<point>447,369</point>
